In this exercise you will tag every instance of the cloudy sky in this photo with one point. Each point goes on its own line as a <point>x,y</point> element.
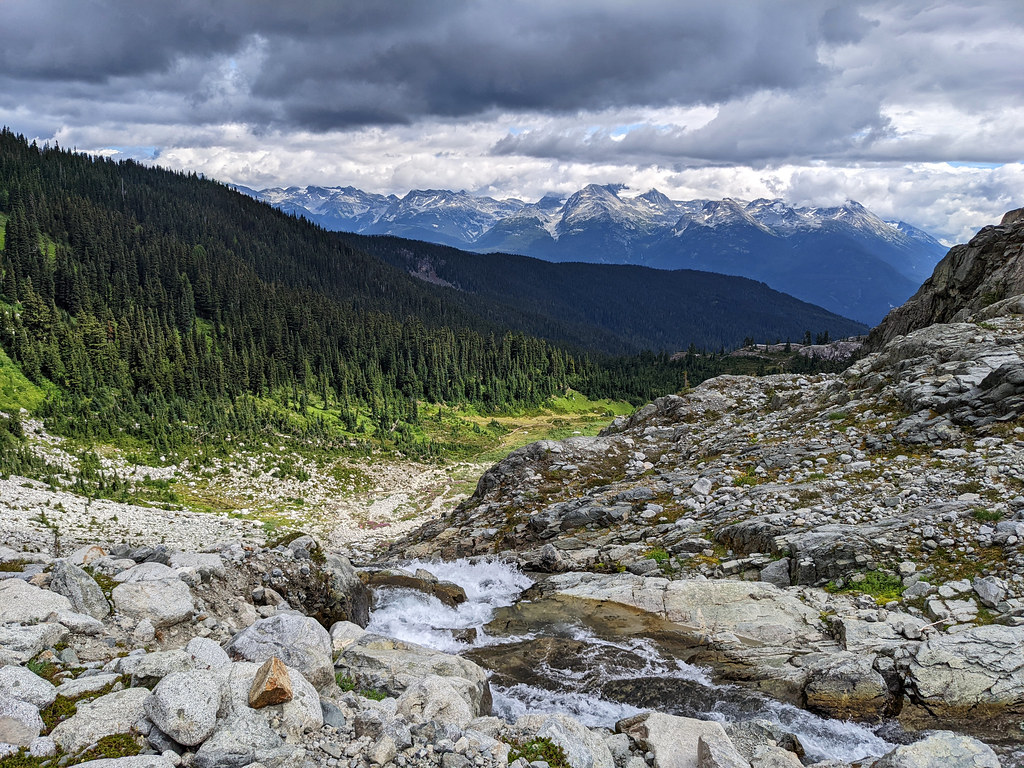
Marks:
<point>913,107</point>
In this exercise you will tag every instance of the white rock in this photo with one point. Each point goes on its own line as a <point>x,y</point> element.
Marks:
<point>207,653</point>
<point>446,700</point>
<point>23,603</point>
<point>184,706</point>
<point>108,715</point>
<point>299,641</point>
<point>165,603</point>
<point>146,572</point>
<point>22,683</point>
<point>20,722</point>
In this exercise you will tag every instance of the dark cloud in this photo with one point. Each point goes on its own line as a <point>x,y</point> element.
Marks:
<point>334,64</point>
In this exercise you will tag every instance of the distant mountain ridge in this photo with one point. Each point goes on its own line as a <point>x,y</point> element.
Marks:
<point>844,258</point>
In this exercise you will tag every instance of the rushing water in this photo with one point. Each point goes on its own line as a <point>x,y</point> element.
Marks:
<point>606,673</point>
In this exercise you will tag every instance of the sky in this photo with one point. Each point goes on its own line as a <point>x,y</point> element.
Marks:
<point>914,108</point>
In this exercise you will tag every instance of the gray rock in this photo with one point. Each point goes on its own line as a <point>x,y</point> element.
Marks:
<point>297,640</point>
<point>138,761</point>
<point>165,603</point>
<point>146,572</point>
<point>777,573</point>
<point>21,683</point>
<point>974,673</point>
<point>80,588</point>
<point>343,633</point>
<point>990,590</point>
<point>150,668</point>
<point>42,746</point>
<point>673,740</point>
<point>18,644</point>
<point>81,623</point>
<point>23,603</point>
<point>774,757</point>
<point>941,749</point>
<point>74,688</point>
<point>238,741</point>
<point>113,713</point>
<point>207,565</point>
<point>445,700</point>
<point>20,722</point>
<point>299,716</point>
<point>333,716</point>
<point>383,750</point>
<point>713,752</point>
<point>392,665</point>
<point>184,706</point>
<point>583,748</point>
<point>206,653</point>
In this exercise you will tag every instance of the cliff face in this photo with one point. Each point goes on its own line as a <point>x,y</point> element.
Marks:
<point>969,278</point>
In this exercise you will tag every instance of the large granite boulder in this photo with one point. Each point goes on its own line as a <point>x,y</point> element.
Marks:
<point>114,713</point>
<point>393,665</point>
<point>301,715</point>
<point>21,683</point>
<point>583,748</point>
<point>941,749</point>
<point>445,700</point>
<point>846,686</point>
<point>974,675</point>
<point>80,588</point>
<point>184,706</point>
<point>673,740</point>
<point>164,602</point>
<point>23,603</point>
<point>297,640</point>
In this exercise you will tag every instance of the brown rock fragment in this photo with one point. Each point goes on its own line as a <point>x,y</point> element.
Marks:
<point>271,685</point>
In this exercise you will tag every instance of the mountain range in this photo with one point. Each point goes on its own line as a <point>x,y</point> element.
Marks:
<point>844,258</point>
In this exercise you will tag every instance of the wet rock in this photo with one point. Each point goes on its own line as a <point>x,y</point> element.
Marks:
<point>846,686</point>
<point>448,593</point>
<point>348,597</point>
<point>297,640</point>
<point>80,588</point>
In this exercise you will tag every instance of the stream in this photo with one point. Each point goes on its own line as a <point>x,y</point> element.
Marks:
<point>566,666</point>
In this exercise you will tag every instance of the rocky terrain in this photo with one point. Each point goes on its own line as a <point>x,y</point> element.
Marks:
<point>850,545</point>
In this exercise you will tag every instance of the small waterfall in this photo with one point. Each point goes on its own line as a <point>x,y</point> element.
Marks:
<point>606,676</point>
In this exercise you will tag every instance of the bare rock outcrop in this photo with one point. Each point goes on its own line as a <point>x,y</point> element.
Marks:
<point>969,278</point>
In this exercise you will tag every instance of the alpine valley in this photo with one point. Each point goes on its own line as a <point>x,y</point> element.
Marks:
<point>843,258</point>
<point>273,496</point>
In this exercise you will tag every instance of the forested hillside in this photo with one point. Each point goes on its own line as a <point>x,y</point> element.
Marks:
<point>617,308</point>
<point>145,304</point>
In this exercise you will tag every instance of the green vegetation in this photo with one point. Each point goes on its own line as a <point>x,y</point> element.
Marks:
<point>373,693</point>
<point>109,747</point>
<point>658,555</point>
<point>884,587</point>
<point>344,682</point>
<point>539,749</point>
<point>983,515</point>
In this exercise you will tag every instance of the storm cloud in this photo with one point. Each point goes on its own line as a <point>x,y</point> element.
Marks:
<point>520,97</point>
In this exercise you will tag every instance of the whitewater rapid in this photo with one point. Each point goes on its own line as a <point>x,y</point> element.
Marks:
<point>491,584</point>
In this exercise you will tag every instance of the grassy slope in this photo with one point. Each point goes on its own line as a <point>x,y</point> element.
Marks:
<point>15,390</point>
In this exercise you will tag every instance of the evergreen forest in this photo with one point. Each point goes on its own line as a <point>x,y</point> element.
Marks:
<point>164,309</point>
